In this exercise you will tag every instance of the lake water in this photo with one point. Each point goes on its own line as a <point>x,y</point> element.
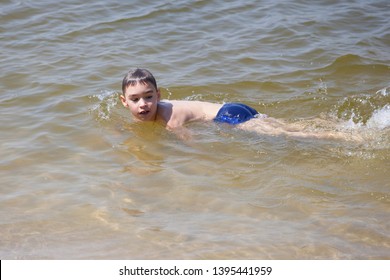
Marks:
<point>81,180</point>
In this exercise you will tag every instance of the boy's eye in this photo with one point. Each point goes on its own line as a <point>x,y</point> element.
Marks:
<point>149,97</point>
<point>134,99</point>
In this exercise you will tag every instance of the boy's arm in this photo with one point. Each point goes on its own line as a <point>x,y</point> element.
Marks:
<point>182,133</point>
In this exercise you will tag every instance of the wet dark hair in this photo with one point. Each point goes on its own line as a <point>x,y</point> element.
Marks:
<point>136,76</point>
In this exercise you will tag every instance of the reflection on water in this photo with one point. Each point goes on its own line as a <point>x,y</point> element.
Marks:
<point>81,180</point>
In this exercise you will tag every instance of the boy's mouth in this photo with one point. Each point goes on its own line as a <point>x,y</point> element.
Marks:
<point>143,113</point>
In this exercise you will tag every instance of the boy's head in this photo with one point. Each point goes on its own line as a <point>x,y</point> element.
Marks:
<point>136,76</point>
<point>140,94</point>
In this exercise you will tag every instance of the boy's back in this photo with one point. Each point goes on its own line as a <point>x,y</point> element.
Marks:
<point>175,113</point>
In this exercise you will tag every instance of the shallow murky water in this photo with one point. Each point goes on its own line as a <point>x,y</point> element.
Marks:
<point>81,180</point>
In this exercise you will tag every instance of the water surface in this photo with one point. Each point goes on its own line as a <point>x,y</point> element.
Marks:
<point>81,180</point>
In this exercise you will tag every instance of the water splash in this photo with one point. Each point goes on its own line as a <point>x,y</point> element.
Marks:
<point>380,119</point>
<point>107,100</point>
<point>369,117</point>
<point>371,111</point>
<point>384,91</point>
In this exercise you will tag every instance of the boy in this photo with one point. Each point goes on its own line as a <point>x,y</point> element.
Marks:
<point>142,97</point>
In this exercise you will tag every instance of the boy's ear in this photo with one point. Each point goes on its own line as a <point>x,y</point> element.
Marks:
<point>123,100</point>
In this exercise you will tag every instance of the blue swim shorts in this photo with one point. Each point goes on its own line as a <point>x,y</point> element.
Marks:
<point>235,113</point>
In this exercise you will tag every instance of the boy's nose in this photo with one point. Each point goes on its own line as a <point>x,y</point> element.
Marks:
<point>142,102</point>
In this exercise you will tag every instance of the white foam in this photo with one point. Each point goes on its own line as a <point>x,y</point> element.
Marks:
<point>384,91</point>
<point>108,99</point>
<point>350,124</point>
<point>380,119</point>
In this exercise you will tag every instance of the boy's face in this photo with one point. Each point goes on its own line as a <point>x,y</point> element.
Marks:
<point>141,100</point>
